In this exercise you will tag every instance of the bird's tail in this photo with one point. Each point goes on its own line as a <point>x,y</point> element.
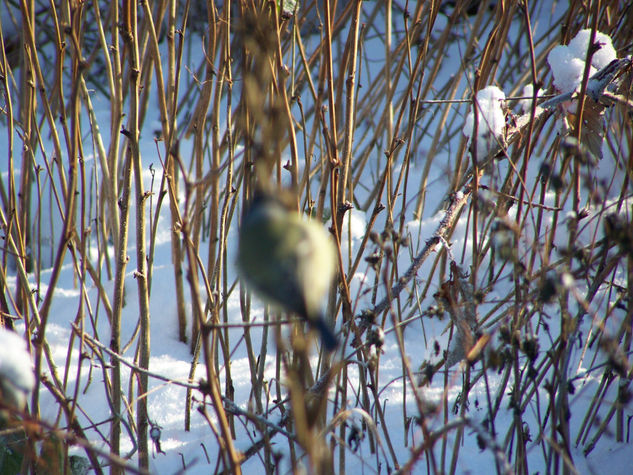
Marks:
<point>328,339</point>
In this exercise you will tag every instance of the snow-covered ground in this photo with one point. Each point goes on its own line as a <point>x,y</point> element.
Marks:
<point>195,451</point>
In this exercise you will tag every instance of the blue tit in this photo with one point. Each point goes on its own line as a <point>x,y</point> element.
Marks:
<point>287,260</point>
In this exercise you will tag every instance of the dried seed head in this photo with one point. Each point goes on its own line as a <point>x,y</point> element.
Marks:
<point>376,337</point>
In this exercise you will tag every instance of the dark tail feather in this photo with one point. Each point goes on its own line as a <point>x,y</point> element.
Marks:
<point>328,339</point>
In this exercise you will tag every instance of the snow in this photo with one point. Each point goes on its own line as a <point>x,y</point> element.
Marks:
<point>579,45</point>
<point>16,368</point>
<point>568,61</point>
<point>525,105</point>
<point>491,119</point>
<point>567,68</point>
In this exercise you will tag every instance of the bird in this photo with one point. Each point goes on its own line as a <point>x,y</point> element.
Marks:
<point>287,260</point>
